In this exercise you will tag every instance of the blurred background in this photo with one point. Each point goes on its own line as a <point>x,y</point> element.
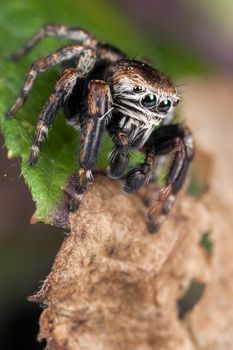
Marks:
<point>189,40</point>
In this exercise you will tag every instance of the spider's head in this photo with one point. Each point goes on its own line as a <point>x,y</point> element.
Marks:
<point>142,92</point>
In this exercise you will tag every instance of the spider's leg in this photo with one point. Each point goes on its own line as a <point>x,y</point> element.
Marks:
<point>62,90</point>
<point>64,54</point>
<point>139,174</point>
<point>119,157</point>
<point>99,103</point>
<point>59,31</point>
<point>149,171</point>
<point>161,142</point>
<point>109,53</point>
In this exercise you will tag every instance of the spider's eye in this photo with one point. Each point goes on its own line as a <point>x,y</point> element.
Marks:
<point>164,106</point>
<point>137,88</point>
<point>149,101</point>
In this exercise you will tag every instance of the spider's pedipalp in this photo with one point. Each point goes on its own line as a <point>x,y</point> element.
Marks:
<point>119,157</point>
<point>139,175</point>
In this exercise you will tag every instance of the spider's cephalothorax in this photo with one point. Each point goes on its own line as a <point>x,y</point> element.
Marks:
<point>143,96</point>
<point>100,90</point>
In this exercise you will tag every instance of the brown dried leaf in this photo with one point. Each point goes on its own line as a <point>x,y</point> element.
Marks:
<point>115,286</point>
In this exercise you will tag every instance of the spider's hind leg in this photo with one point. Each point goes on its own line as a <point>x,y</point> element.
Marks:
<point>66,53</point>
<point>59,31</point>
<point>62,90</point>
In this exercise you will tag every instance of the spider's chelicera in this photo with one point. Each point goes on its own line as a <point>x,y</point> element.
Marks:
<point>100,89</point>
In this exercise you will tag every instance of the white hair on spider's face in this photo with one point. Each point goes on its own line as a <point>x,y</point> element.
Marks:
<point>144,104</point>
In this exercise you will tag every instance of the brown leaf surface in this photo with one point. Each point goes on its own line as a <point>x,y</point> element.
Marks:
<point>211,117</point>
<point>115,286</point>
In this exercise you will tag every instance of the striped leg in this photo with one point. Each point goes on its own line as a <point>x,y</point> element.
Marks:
<point>81,36</point>
<point>161,142</point>
<point>98,107</point>
<point>63,88</point>
<point>45,63</point>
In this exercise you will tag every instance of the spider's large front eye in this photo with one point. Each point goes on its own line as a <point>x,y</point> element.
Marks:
<point>164,106</point>
<point>149,101</point>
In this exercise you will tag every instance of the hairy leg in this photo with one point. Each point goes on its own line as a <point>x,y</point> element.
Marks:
<point>63,88</point>
<point>79,35</point>
<point>45,63</point>
<point>98,112</point>
<point>161,142</point>
<point>109,53</point>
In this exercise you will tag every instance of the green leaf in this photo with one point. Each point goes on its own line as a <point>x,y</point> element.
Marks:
<point>18,21</point>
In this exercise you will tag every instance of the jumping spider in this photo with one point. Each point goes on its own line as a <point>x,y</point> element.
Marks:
<point>101,89</point>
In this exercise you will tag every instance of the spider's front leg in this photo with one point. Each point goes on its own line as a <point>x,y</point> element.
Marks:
<point>99,104</point>
<point>163,141</point>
